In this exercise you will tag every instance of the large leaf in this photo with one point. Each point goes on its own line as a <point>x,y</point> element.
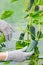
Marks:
<point>21,44</point>
<point>6,14</point>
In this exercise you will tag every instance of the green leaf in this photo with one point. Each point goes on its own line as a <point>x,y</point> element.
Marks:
<point>6,14</point>
<point>26,16</point>
<point>13,0</point>
<point>41,2</point>
<point>20,43</point>
<point>39,33</point>
<point>35,14</point>
<point>36,22</point>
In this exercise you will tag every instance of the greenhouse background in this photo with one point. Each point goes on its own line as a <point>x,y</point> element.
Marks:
<point>17,22</point>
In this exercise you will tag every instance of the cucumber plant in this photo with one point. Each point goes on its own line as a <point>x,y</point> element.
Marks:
<point>34,16</point>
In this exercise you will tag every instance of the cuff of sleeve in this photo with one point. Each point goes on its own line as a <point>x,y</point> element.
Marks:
<point>6,56</point>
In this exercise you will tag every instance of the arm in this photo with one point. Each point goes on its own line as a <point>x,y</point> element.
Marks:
<point>15,55</point>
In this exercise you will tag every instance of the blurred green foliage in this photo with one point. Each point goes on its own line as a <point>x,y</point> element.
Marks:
<point>13,0</point>
<point>6,14</point>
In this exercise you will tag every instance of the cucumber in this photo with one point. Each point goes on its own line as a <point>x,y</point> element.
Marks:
<point>32,30</point>
<point>36,8</point>
<point>32,46</point>
<point>34,42</point>
<point>21,36</point>
<point>31,3</point>
<point>2,38</point>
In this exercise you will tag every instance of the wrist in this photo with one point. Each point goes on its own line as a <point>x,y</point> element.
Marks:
<point>6,56</point>
<point>3,56</point>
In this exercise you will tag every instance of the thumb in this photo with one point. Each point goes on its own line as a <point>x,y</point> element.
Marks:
<point>24,49</point>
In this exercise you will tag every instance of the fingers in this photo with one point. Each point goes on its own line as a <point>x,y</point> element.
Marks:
<point>6,29</point>
<point>24,49</point>
<point>29,53</point>
<point>8,34</point>
<point>11,28</point>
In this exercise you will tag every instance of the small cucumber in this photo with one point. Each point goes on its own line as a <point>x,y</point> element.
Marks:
<point>21,36</point>
<point>2,38</point>
<point>31,3</point>
<point>36,8</point>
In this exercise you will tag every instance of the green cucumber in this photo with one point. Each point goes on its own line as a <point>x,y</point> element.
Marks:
<point>32,46</point>
<point>31,3</point>
<point>36,8</point>
<point>32,31</point>
<point>21,36</point>
<point>2,38</point>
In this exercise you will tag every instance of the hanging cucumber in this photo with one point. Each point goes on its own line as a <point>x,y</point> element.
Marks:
<point>21,36</point>
<point>32,46</point>
<point>32,32</point>
<point>30,6</point>
<point>31,3</point>
<point>34,42</point>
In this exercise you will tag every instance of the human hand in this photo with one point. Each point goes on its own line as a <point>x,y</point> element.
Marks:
<point>18,55</point>
<point>6,29</point>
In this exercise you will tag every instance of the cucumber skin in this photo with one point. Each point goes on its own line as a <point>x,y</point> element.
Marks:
<point>32,46</point>
<point>34,42</point>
